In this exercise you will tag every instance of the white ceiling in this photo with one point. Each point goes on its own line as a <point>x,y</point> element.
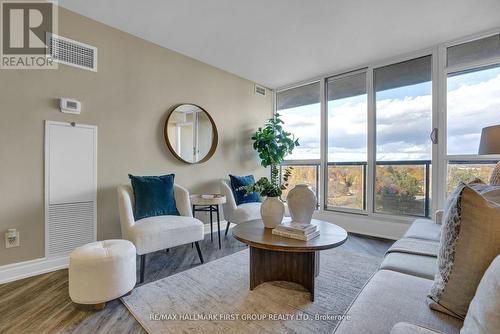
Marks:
<point>279,42</point>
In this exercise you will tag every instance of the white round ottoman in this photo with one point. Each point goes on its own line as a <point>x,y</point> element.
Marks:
<point>101,271</point>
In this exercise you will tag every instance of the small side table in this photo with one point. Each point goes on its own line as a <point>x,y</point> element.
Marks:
<point>205,204</point>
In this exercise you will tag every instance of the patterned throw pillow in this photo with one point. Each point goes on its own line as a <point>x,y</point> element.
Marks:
<point>470,240</point>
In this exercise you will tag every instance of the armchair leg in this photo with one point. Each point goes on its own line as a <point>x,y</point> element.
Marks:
<point>143,266</point>
<point>227,227</point>
<point>199,251</point>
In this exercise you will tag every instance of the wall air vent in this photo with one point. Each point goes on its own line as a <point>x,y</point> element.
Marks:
<point>69,52</point>
<point>259,90</point>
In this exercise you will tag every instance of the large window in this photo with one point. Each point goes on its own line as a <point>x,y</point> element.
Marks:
<point>302,174</point>
<point>300,109</point>
<point>347,142</point>
<point>473,102</point>
<point>394,142</point>
<point>403,147</point>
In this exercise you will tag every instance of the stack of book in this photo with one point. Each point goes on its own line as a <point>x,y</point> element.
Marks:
<point>298,231</point>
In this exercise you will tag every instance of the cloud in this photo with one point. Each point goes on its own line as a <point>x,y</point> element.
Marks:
<point>304,123</point>
<point>470,108</point>
<point>403,125</point>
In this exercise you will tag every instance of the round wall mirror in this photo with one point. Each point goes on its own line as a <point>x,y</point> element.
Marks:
<point>190,133</point>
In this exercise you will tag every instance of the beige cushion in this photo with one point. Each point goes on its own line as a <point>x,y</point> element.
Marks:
<point>470,241</point>
<point>407,328</point>
<point>492,193</point>
<point>411,264</point>
<point>484,310</point>
<point>415,246</point>
<point>161,232</point>
<point>390,297</point>
<point>424,229</point>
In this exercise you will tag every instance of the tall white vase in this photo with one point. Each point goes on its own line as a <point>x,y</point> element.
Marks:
<point>272,211</point>
<point>301,202</point>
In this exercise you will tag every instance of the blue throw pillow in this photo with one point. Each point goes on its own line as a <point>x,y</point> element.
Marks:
<point>154,196</point>
<point>239,195</point>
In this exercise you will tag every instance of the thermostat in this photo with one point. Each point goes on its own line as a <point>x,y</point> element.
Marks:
<point>70,106</point>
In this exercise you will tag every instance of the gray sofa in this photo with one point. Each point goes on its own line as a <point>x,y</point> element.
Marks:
<point>397,292</point>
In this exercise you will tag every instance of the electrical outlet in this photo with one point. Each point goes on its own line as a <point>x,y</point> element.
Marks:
<point>11,238</point>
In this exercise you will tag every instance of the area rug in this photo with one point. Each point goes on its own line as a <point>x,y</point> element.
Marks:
<point>214,298</point>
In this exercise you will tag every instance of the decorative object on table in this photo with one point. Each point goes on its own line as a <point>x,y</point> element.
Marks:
<point>301,202</point>
<point>240,195</point>
<point>101,271</point>
<point>209,203</point>
<point>274,258</point>
<point>159,232</point>
<point>490,144</point>
<point>153,196</point>
<point>272,211</point>
<point>299,231</point>
<point>190,133</point>
<point>272,143</point>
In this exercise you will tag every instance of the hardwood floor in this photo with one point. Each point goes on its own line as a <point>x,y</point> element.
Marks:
<point>41,304</point>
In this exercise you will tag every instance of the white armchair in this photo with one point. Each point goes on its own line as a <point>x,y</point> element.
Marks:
<point>242,213</point>
<point>237,214</point>
<point>161,232</point>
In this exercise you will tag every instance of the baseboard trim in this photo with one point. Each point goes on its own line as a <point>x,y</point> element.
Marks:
<point>16,271</point>
<point>19,270</point>
<point>223,223</point>
<point>373,235</point>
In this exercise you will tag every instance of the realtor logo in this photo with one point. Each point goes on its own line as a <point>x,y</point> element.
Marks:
<point>25,25</point>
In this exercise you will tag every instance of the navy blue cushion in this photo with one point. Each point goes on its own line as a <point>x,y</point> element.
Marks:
<point>239,195</point>
<point>154,196</point>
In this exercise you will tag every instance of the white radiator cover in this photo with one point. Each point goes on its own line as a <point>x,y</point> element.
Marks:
<point>70,186</point>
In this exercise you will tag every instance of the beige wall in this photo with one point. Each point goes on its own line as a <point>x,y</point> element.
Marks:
<point>128,98</point>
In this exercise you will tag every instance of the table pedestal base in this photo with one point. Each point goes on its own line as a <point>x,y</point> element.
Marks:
<point>298,267</point>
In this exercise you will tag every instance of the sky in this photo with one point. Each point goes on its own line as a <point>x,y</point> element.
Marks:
<point>403,120</point>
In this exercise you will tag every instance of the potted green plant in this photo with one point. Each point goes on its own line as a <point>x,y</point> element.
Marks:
<point>273,144</point>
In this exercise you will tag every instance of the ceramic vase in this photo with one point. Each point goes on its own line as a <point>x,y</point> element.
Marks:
<point>272,211</point>
<point>301,202</point>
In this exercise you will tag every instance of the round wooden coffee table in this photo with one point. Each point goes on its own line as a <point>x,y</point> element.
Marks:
<point>276,258</point>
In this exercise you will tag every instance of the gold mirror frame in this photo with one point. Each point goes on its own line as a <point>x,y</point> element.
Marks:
<point>215,136</point>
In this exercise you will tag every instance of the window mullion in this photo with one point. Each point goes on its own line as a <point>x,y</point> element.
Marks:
<point>371,145</point>
<point>436,162</point>
<point>323,174</point>
<point>441,170</point>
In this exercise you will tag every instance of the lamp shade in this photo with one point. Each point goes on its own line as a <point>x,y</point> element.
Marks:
<point>490,140</point>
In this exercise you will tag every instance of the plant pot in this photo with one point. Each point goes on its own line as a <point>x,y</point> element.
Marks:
<point>301,202</point>
<point>272,211</point>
